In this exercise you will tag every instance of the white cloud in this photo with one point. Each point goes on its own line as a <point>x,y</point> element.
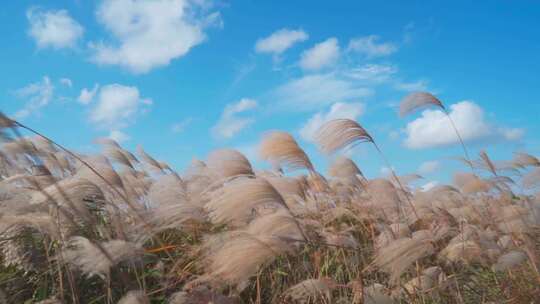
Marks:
<point>376,73</point>
<point>280,41</point>
<point>428,186</point>
<point>316,90</point>
<point>52,28</point>
<point>415,86</point>
<point>394,134</point>
<point>370,47</point>
<point>180,127</point>
<point>117,106</point>
<point>337,110</point>
<point>86,96</point>
<point>151,33</point>
<point>321,55</point>
<point>242,72</point>
<point>67,82</point>
<point>230,123</point>
<point>119,136</point>
<point>386,172</point>
<point>37,95</point>
<point>429,167</point>
<point>433,129</point>
<point>511,134</point>
<point>409,32</point>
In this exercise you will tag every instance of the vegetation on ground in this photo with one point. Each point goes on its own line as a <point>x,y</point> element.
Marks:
<point>123,228</point>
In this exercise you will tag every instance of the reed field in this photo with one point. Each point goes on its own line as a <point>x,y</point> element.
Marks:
<point>124,227</point>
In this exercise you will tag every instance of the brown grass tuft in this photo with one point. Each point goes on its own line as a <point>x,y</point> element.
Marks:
<point>228,163</point>
<point>280,149</point>
<point>339,134</point>
<point>418,100</point>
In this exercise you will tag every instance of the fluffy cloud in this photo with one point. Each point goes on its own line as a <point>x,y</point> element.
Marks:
<point>386,172</point>
<point>429,185</point>
<point>151,33</point>
<point>179,127</point>
<point>429,167</point>
<point>117,106</point>
<point>313,91</point>
<point>415,86</point>
<point>119,136</point>
<point>230,122</point>
<point>433,129</point>
<point>375,73</point>
<point>511,134</point>
<point>337,110</point>
<point>55,29</point>
<point>321,55</point>
<point>280,41</point>
<point>370,47</point>
<point>66,82</point>
<point>86,96</point>
<point>37,95</point>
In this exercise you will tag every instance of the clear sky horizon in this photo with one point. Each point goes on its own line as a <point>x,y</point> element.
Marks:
<point>182,78</point>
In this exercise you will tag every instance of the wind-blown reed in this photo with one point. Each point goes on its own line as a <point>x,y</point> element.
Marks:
<point>416,101</point>
<point>107,228</point>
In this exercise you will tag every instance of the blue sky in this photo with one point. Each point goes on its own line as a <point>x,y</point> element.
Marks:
<point>184,77</point>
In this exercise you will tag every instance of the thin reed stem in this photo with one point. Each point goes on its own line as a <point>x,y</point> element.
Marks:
<point>465,151</point>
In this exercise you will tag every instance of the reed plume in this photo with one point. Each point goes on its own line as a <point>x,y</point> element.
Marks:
<point>241,200</point>
<point>532,179</point>
<point>312,290</point>
<point>106,228</point>
<point>523,160</point>
<point>344,167</point>
<point>400,254</point>
<point>416,101</point>
<point>282,150</point>
<point>338,134</point>
<point>92,260</point>
<point>228,163</point>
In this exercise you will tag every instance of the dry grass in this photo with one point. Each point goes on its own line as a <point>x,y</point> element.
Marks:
<point>115,228</point>
<point>339,134</point>
<point>282,150</point>
<point>416,101</point>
